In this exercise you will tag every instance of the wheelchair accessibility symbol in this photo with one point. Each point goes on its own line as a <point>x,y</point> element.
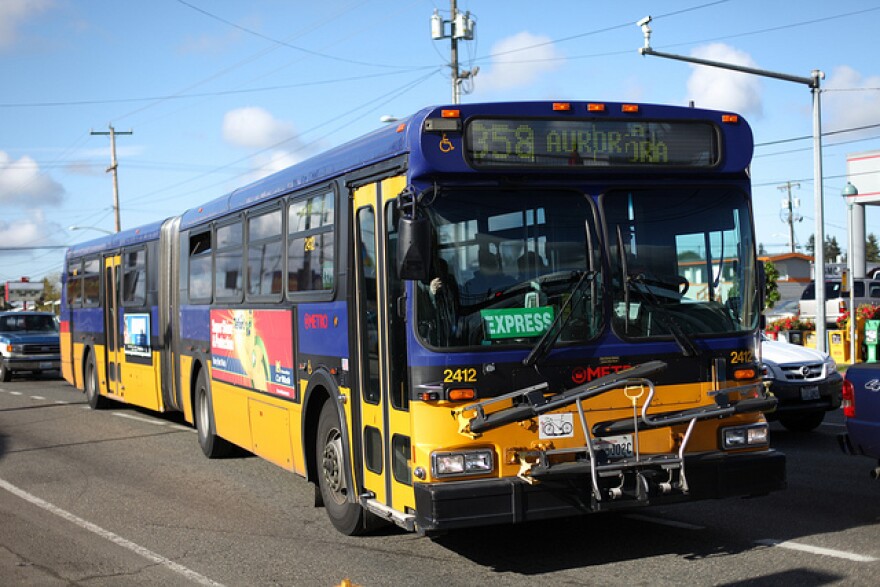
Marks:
<point>446,145</point>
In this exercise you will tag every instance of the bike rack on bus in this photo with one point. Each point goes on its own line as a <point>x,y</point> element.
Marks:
<point>633,472</point>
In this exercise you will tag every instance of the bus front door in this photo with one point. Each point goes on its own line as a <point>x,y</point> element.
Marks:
<point>113,355</point>
<point>382,399</point>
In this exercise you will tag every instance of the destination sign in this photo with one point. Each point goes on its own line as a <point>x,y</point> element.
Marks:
<point>494,142</point>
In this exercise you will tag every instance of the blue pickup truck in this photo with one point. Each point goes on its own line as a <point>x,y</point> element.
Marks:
<point>861,407</point>
<point>29,341</point>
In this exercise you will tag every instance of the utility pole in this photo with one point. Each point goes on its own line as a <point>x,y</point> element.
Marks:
<point>461,27</point>
<point>788,211</point>
<point>113,165</point>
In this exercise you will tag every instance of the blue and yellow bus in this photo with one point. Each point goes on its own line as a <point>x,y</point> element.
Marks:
<point>486,314</point>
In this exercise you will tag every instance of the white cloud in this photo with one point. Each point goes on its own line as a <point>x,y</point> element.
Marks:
<point>853,108</point>
<point>13,13</point>
<point>518,61</point>
<point>255,127</point>
<point>26,232</point>
<point>723,89</point>
<point>23,184</point>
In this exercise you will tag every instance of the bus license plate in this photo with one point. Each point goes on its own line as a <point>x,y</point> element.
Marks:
<point>810,392</point>
<point>615,447</point>
<point>45,365</point>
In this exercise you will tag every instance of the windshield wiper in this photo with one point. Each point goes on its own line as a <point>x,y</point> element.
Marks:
<point>684,342</point>
<point>543,346</point>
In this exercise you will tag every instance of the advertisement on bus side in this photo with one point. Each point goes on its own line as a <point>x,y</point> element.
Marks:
<point>254,349</point>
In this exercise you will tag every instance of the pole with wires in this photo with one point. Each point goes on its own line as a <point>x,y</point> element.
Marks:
<point>461,27</point>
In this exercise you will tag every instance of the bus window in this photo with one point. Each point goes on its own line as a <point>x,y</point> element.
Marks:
<point>200,267</point>
<point>536,244</point>
<point>310,249</point>
<point>264,255</point>
<point>74,283</point>
<point>669,277</point>
<point>134,287</point>
<point>228,263</point>
<point>91,282</point>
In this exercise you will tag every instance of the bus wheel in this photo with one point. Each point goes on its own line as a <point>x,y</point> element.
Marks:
<point>212,445</point>
<point>93,394</point>
<point>346,516</point>
<point>5,373</point>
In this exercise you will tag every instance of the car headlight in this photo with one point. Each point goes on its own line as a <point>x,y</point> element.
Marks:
<point>464,462</point>
<point>745,436</point>
<point>830,366</point>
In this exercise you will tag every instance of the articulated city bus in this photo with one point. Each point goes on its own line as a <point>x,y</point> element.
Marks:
<point>487,314</point>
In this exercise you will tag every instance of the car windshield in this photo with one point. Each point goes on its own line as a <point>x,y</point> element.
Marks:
<point>28,323</point>
<point>681,262</point>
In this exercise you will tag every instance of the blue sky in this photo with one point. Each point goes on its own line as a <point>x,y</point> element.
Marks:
<point>218,93</point>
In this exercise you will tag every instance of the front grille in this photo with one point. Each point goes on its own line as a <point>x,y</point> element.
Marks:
<point>805,372</point>
<point>40,349</point>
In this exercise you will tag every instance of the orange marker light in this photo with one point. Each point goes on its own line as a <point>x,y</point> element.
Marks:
<point>630,108</point>
<point>595,107</point>
<point>401,127</point>
<point>457,395</point>
<point>730,118</point>
<point>740,374</point>
<point>450,113</point>
<point>561,106</point>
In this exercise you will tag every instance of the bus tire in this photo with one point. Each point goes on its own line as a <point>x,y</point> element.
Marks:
<point>90,382</point>
<point>347,517</point>
<point>212,445</point>
<point>5,373</point>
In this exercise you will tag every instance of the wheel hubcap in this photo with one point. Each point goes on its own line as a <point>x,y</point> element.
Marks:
<point>332,467</point>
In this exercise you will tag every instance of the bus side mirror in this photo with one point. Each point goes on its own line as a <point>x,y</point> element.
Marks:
<point>762,286</point>
<point>414,248</point>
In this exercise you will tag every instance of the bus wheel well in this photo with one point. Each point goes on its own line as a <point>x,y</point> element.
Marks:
<point>193,379</point>
<point>317,397</point>
<point>87,354</point>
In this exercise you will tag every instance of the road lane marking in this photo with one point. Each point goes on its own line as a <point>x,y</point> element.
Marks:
<point>14,393</point>
<point>139,419</point>
<point>38,397</point>
<point>851,556</point>
<point>106,534</point>
<point>664,522</point>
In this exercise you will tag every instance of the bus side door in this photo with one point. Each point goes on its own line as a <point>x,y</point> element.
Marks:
<point>113,355</point>
<point>382,399</point>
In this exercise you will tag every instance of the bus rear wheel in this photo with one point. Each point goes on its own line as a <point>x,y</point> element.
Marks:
<point>212,445</point>
<point>90,381</point>
<point>347,516</point>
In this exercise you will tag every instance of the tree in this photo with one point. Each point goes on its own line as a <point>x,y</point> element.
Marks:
<point>51,293</point>
<point>771,289</point>
<point>872,249</point>
<point>831,248</point>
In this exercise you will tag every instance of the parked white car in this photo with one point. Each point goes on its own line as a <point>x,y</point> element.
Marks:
<point>805,382</point>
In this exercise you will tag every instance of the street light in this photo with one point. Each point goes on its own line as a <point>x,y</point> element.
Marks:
<point>850,192</point>
<point>104,230</point>
<point>813,82</point>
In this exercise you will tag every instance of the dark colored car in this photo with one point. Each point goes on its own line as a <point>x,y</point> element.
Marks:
<point>805,382</point>
<point>861,407</point>
<point>29,341</point>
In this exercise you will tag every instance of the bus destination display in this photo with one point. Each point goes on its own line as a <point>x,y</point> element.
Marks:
<point>605,143</point>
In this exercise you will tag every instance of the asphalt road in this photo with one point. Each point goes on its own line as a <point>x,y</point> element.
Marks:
<point>125,497</point>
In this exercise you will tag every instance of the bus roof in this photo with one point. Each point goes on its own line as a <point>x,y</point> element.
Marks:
<point>406,136</point>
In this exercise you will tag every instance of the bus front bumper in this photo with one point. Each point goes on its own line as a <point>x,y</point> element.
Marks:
<point>483,502</point>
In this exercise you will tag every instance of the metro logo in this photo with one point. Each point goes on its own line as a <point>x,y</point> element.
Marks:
<point>316,321</point>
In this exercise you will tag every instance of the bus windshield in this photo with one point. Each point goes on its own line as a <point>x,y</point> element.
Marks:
<point>681,262</point>
<point>506,263</point>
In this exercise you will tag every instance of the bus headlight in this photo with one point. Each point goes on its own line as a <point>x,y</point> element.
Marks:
<point>745,436</point>
<point>464,462</point>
